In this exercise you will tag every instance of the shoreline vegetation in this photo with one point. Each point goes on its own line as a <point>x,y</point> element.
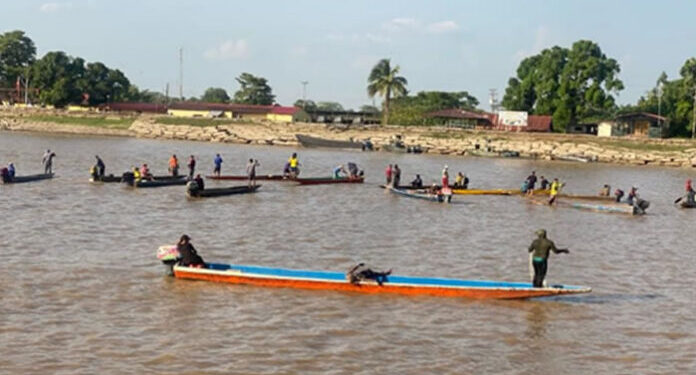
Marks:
<point>671,152</point>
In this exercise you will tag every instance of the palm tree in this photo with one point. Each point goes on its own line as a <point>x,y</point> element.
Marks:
<point>384,81</point>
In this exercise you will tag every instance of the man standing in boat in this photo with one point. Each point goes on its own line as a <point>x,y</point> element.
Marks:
<point>47,161</point>
<point>396,176</point>
<point>531,183</point>
<point>251,171</point>
<point>191,167</point>
<point>218,165</point>
<point>540,250</point>
<point>388,174</point>
<point>101,167</point>
<point>174,166</point>
<point>294,165</point>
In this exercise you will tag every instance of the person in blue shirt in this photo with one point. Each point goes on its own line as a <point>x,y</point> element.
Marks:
<point>337,171</point>
<point>11,170</point>
<point>218,164</point>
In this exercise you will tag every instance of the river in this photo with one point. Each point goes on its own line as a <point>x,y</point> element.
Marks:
<point>81,291</point>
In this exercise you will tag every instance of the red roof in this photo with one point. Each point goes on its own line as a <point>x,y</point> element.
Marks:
<point>235,108</point>
<point>135,107</point>
<point>278,110</point>
<point>643,114</point>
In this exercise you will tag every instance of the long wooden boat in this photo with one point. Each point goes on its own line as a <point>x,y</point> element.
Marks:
<point>269,177</point>
<point>329,180</point>
<point>422,194</point>
<point>486,191</point>
<point>575,158</point>
<point>156,183</point>
<point>617,208</point>
<point>220,192</point>
<point>308,141</point>
<point>28,178</point>
<point>494,154</point>
<point>112,179</point>
<point>403,285</point>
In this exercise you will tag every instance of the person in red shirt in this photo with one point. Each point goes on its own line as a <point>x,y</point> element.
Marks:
<point>445,177</point>
<point>388,174</point>
<point>688,187</point>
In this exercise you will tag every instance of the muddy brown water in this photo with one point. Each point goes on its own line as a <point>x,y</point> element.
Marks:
<point>81,291</point>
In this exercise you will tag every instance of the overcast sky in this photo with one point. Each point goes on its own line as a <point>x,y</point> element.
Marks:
<point>440,45</point>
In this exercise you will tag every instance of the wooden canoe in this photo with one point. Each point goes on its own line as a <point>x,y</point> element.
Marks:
<point>112,179</point>
<point>220,192</point>
<point>486,191</point>
<point>269,177</point>
<point>617,208</point>
<point>422,194</point>
<point>329,180</point>
<point>308,141</point>
<point>403,285</point>
<point>28,178</point>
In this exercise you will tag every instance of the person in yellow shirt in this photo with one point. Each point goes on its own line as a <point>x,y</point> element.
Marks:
<point>554,190</point>
<point>294,165</point>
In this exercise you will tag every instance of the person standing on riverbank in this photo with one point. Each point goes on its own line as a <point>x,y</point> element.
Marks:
<point>47,161</point>
<point>218,165</point>
<point>191,167</point>
<point>540,249</point>
<point>174,166</point>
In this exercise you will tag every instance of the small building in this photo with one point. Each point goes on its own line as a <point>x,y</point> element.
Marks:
<point>639,124</point>
<point>503,120</point>
<point>584,128</point>
<point>462,118</point>
<point>199,109</point>
<point>287,114</point>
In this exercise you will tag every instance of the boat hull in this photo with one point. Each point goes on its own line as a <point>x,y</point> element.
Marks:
<point>329,180</point>
<point>616,208</point>
<point>221,192</point>
<point>308,141</point>
<point>270,177</point>
<point>419,194</point>
<point>336,281</point>
<point>29,178</point>
<point>154,184</point>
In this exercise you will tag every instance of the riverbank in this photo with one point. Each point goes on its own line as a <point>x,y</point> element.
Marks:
<point>437,140</point>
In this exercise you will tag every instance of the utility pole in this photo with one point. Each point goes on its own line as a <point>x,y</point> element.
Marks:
<point>166,93</point>
<point>693,122</point>
<point>181,73</point>
<point>659,104</point>
<point>493,99</point>
<point>304,93</point>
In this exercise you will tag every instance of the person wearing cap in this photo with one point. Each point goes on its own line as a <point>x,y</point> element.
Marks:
<point>188,256</point>
<point>445,177</point>
<point>540,250</point>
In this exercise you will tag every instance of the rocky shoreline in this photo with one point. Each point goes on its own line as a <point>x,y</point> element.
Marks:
<point>436,140</point>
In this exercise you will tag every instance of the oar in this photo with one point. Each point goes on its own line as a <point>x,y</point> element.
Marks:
<point>678,200</point>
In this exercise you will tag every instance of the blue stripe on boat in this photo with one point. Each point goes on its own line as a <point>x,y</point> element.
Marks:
<point>338,276</point>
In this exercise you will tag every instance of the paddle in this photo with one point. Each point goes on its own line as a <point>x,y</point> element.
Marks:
<point>678,200</point>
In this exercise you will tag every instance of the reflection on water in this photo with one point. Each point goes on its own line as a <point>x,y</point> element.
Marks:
<point>82,292</point>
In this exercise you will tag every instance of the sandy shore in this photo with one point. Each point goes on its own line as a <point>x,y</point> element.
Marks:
<point>438,140</point>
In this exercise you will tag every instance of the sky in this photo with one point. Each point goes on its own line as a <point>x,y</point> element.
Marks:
<point>440,45</point>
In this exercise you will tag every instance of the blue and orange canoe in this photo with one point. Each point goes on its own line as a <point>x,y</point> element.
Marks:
<point>337,281</point>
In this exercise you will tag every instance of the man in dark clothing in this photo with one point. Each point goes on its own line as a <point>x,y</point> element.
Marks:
<point>362,272</point>
<point>101,167</point>
<point>531,181</point>
<point>191,167</point>
<point>540,249</point>
<point>544,183</point>
<point>418,182</point>
<point>199,181</point>
<point>188,256</point>
<point>396,176</point>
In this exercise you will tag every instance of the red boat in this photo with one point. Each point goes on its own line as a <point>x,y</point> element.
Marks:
<point>329,180</point>
<point>244,178</point>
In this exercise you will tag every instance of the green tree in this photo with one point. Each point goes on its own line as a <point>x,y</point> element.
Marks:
<point>215,95</point>
<point>307,105</point>
<point>570,84</point>
<point>369,109</point>
<point>102,84</point>
<point>253,90</point>
<point>58,77</point>
<point>383,80</point>
<point>17,53</point>
<point>412,109</point>
<point>330,107</point>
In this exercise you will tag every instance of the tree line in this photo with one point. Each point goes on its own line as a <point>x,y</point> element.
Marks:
<point>574,85</point>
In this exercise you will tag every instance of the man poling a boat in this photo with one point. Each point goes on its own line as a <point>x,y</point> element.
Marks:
<point>540,250</point>
<point>47,161</point>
